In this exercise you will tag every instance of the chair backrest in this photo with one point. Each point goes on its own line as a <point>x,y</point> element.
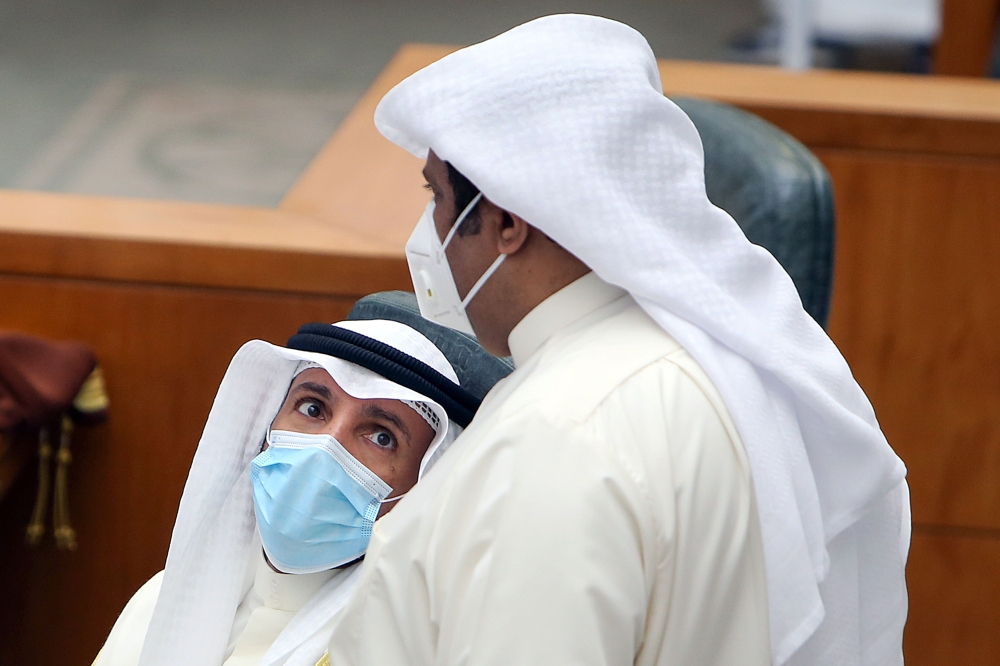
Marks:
<point>776,190</point>
<point>477,370</point>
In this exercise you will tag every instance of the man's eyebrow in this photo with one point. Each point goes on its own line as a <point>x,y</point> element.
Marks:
<point>319,389</point>
<point>373,411</point>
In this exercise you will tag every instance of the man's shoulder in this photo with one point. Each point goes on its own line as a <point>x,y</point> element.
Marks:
<point>580,367</point>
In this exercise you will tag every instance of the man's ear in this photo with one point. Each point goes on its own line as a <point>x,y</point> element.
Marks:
<point>513,233</point>
<point>509,231</point>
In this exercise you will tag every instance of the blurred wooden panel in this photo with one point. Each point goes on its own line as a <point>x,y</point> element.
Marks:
<point>916,307</point>
<point>199,265</point>
<point>212,225</point>
<point>191,244</point>
<point>819,128</point>
<point>360,181</point>
<point>968,30</point>
<point>861,93</point>
<point>865,110</point>
<point>953,584</point>
<point>164,351</point>
<point>15,453</point>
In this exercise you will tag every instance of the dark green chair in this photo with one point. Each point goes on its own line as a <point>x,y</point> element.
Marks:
<point>477,370</point>
<point>775,189</point>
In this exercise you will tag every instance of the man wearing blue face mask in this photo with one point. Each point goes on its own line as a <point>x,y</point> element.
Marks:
<point>305,449</point>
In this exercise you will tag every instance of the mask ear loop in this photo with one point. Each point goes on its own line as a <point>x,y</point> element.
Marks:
<point>489,271</point>
<point>461,218</point>
<point>482,280</point>
<point>394,499</point>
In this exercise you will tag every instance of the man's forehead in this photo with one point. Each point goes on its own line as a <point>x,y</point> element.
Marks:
<point>317,379</point>
<point>435,170</point>
<point>314,375</point>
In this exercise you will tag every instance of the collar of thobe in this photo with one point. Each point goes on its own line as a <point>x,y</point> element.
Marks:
<point>574,301</point>
<point>287,592</point>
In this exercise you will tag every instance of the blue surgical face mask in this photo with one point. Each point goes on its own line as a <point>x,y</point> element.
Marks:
<point>315,503</point>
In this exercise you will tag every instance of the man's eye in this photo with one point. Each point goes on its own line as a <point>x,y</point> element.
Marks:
<point>310,409</point>
<point>382,439</point>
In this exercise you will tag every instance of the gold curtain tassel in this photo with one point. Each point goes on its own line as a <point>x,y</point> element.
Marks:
<point>62,530</point>
<point>93,395</point>
<point>36,528</point>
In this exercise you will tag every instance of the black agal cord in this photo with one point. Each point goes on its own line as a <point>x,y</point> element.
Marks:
<point>389,362</point>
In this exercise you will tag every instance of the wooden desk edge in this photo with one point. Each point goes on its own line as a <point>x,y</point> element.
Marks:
<point>71,215</point>
<point>50,256</point>
<point>869,93</point>
<point>173,242</point>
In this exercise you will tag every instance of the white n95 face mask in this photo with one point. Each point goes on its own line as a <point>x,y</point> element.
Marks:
<point>437,295</point>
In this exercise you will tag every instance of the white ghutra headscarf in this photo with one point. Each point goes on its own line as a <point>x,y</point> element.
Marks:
<point>214,542</point>
<point>563,122</point>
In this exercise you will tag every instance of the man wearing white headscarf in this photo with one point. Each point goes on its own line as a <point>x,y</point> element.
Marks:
<point>681,469</point>
<point>305,447</point>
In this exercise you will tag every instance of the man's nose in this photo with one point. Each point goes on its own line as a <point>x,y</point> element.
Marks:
<point>342,422</point>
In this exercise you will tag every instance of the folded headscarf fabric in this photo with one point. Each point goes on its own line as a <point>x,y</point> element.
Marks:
<point>214,538</point>
<point>563,122</point>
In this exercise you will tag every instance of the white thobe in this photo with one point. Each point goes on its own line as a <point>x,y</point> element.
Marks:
<point>598,510</point>
<point>266,610</point>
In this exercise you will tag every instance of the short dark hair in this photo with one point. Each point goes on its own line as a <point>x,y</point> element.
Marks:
<point>464,192</point>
